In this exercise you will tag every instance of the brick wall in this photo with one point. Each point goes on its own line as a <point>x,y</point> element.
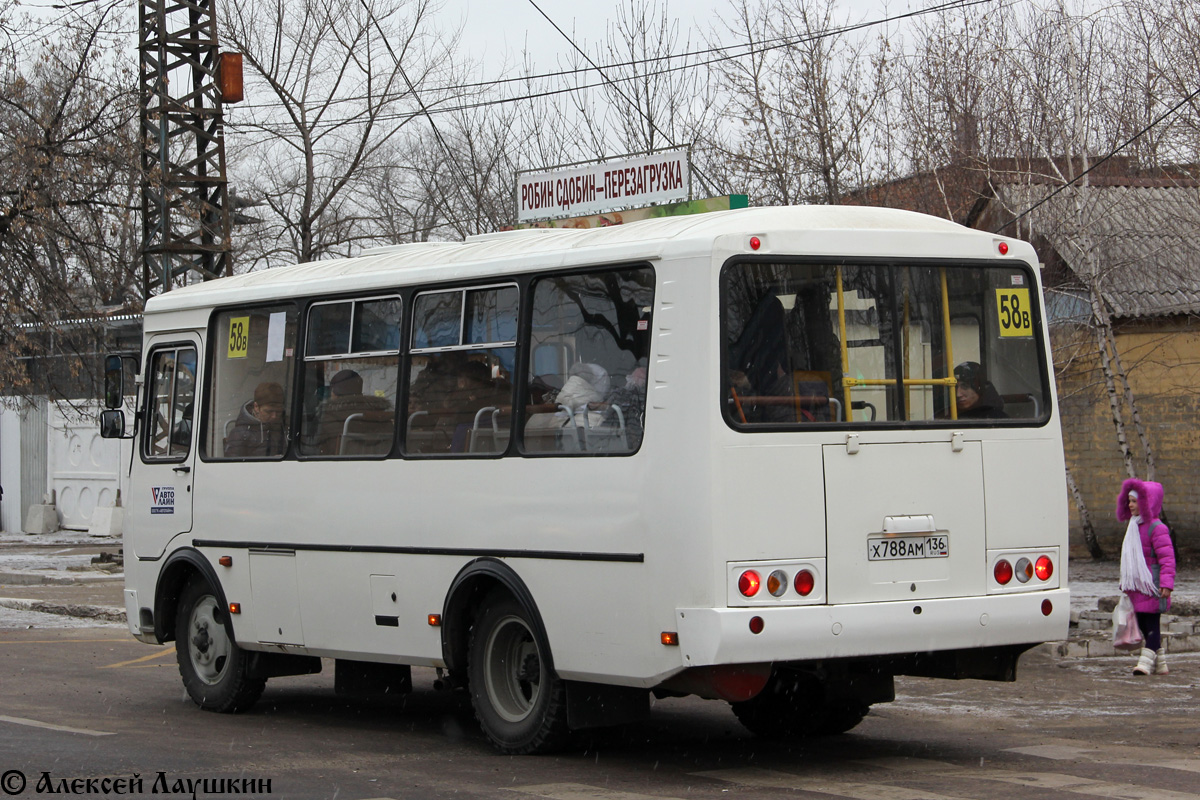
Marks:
<point>1163,361</point>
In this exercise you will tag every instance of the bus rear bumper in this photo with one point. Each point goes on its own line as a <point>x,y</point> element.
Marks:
<point>710,636</point>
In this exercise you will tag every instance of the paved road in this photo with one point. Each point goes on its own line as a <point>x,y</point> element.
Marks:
<point>91,703</point>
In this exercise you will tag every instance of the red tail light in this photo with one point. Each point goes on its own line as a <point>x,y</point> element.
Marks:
<point>1044,568</point>
<point>805,583</point>
<point>1003,572</point>
<point>749,583</point>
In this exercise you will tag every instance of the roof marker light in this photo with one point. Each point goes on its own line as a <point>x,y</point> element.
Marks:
<point>1003,248</point>
<point>755,243</point>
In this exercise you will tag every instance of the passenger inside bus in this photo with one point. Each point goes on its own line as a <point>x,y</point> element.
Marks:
<point>976,397</point>
<point>761,375</point>
<point>258,430</point>
<point>352,423</point>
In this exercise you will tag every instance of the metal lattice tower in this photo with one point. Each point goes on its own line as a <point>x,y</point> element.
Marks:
<point>185,217</point>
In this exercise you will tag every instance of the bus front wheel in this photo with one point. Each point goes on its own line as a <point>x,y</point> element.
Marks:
<point>519,701</point>
<point>214,669</point>
<point>795,704</point>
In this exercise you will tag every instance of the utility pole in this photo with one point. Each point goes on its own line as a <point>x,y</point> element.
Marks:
<point>185,209</point>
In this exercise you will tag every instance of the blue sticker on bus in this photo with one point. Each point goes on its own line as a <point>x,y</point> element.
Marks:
<point>162,499</point>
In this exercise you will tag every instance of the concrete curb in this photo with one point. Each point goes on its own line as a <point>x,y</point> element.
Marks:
<point>102,613</point>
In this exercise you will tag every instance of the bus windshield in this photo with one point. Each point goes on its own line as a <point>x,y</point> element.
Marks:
<point>858,344</point>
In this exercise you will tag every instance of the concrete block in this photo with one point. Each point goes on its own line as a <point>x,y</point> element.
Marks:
<point>1101,648</point>
<point>41,518</point>
<point>107,522</point>
<point>1074,649</point>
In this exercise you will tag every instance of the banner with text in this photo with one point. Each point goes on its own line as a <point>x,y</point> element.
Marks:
<point>589,189</point>
<point>684,208</point>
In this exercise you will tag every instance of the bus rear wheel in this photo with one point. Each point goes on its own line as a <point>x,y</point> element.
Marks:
<point>519,701</point>
<point>214,669</point>
<point>796,704</point>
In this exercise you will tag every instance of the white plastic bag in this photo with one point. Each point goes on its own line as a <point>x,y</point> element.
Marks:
<point>1126,635</point>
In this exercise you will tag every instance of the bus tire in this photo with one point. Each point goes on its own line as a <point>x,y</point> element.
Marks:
<point>519,701</point>
<point>214,669</point>
<point>795,704</point>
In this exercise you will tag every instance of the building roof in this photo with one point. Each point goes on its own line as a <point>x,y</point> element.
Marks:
<point>1136,233</point>
<point>1137,240</point>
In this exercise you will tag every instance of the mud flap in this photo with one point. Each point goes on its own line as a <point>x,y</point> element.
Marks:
<point>599,705</point>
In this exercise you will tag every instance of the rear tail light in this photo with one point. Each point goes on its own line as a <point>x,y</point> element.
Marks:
<point>805,583</point>
<point>1003,572</point>
<point>1044,568</point>
<point>1024,570</point>
<point>749,583</point>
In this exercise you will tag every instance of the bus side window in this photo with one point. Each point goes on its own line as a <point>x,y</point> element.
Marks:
<point>249,388</point>
<point>586,390</point>
<point>351,372</point>
<point>172,400</point>
<point>460,378</point>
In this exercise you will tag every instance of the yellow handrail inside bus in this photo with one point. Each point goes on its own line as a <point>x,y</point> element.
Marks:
<point>845,353</point>
<point>949,346</point>
<point>848,382</point>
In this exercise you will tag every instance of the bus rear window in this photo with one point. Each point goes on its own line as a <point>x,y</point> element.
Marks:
<point>869,343</point>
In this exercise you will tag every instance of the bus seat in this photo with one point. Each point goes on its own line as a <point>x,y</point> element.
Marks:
<point>812,390</point>
<point>1023,399</point>
<point>609,435</point>
<point>487,436</point>
<point>366,433</point>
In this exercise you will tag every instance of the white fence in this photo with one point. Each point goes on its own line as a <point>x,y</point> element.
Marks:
<point>44,447</point>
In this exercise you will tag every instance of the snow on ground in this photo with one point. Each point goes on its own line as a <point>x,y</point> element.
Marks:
<point>19,619</point>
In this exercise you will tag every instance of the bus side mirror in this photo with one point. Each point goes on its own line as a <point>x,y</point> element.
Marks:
<point>112,424</point>
<point>115,367</point>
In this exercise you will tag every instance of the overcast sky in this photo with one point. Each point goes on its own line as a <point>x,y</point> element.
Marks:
<point>493,29</point>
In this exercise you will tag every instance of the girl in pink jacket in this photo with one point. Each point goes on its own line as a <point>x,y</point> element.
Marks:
<point>1147,567</point>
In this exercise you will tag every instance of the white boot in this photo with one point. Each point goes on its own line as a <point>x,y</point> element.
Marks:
<point>1160,662</point>
<point>1145,664</point>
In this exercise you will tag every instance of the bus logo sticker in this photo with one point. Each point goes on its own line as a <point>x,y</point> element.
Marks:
<point>162,499</point>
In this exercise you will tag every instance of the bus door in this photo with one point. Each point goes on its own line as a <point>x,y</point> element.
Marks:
<point>904,521</point>
<point>162,506</point>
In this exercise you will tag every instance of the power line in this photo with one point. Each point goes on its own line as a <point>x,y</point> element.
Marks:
<point>1114,152</point>
<point>728,53</point>
<point>704,183</point>
<point>424,109</point>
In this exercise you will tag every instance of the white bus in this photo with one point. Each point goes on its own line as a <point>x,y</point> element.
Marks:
<point>773,456</point>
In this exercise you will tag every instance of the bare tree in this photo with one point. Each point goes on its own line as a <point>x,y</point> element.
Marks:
<point>805,102</point>
<point>332,82</point>
<point>68,133</point>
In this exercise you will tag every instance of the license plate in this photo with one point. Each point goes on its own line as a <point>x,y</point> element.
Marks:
<point>897,548</point>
